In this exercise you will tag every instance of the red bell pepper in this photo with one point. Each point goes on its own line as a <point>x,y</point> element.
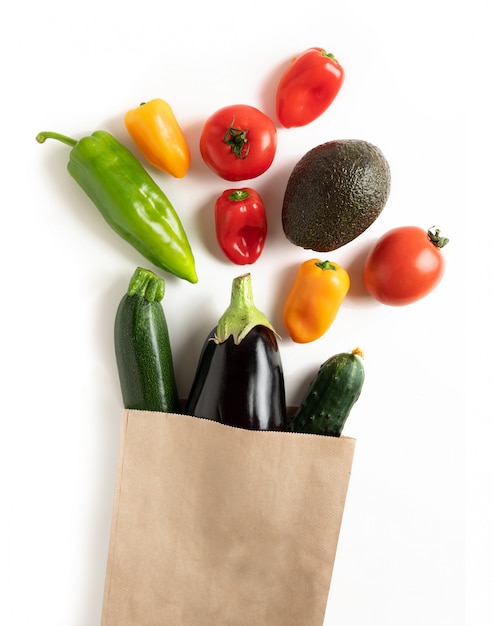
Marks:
<point>241,225</point>
<point>308,87</point>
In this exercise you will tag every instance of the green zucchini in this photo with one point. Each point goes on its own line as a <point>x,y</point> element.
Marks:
<point>142,346</point>
<point>331,395</point>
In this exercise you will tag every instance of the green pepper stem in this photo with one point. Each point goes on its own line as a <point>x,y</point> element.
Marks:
<point>146,284</point>
<point>325,265</point>
<point>242,315</point>
<point>42,137</point>
<point>329,55</point>
<point>237,195</point>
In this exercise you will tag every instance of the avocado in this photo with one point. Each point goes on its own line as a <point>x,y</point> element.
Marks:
<point>334,193</point>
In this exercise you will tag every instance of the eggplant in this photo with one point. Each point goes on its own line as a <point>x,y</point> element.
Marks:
<point>239,380</point>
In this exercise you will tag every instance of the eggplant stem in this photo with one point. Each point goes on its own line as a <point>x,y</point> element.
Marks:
<point>241,315</point>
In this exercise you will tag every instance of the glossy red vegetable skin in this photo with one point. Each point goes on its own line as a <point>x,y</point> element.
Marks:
<point>308,87</point>
<point>241,225</point>
<point>404,265</point>
<point>238,142</point>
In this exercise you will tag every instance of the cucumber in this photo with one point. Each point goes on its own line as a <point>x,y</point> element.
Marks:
<point>331,395</point>
<point>142,346</point>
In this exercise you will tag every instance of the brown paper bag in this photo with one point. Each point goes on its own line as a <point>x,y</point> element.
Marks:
<point>219,526</point>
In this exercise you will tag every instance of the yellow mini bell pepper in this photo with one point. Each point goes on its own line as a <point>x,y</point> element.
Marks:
<point>314,299</point>
<point>157,134</point>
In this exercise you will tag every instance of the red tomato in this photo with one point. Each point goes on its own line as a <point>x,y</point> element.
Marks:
<point>405,264</point>
<point>241,225</point>
<point>238,142</point>
<point>308,87</point>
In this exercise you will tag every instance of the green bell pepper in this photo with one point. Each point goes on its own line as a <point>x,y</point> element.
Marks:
<point>129,200</point>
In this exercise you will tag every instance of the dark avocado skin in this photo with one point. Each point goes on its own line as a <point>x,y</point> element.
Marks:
<point>334,193</point>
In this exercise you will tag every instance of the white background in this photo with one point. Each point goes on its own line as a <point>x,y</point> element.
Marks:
<point>74,67</point>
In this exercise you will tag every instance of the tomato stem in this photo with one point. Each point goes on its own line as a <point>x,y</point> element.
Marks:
<point>436,239</point>
<point>237,139</point>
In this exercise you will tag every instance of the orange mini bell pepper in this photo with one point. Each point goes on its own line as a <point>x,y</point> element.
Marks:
<point>157,134</point>
<point>314,299</point>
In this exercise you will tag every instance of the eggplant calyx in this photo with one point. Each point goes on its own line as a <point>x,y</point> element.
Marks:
<point>241,315</point>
